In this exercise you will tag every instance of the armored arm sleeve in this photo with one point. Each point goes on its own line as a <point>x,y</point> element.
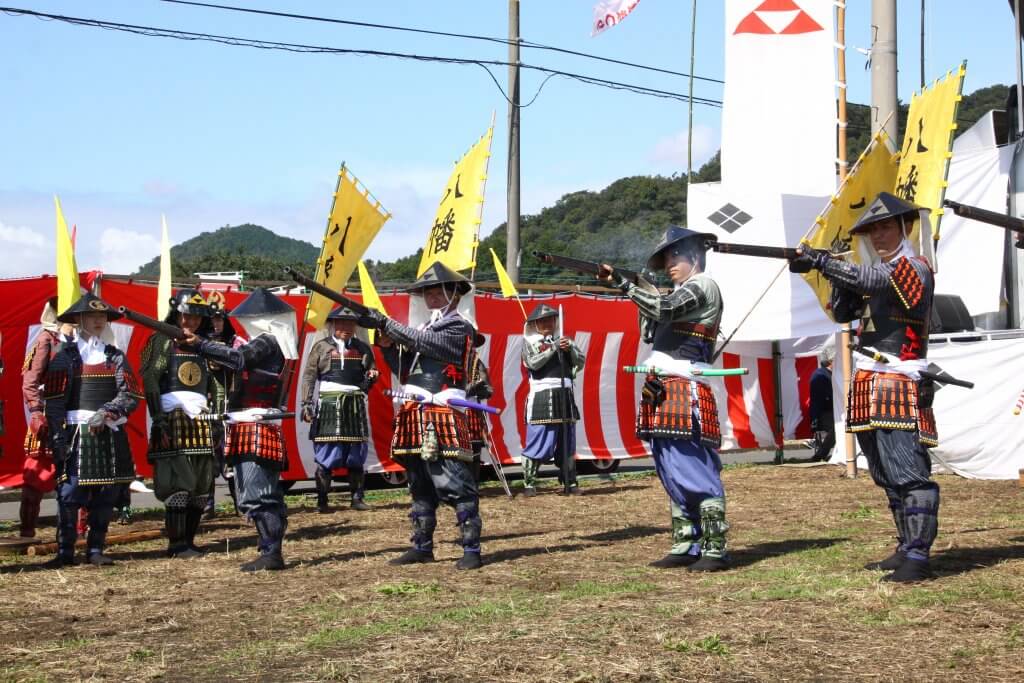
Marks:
<point>846,304</point>
<point>35,367</point>
<point>152,367</point>
<point>578,359</point>
<point>369,363</point>
<point>231,358</point>
<point>676,306</point>
<point>309,375</point>
<point>128,393</point>
<point>536,355</point>
<point>862,279</point>
<point>445,342</point>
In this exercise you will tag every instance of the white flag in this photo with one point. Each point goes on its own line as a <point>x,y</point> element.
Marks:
<point>607,13</point>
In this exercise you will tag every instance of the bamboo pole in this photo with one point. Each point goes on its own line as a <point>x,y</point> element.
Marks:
<point>117,539</point>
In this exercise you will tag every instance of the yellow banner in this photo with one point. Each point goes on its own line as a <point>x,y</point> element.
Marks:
<point>928,145</point>
<point>356,218</point>
<point>371,298</point>
<point>454,235</point>
<point>508,288</point>
<point>874,172</point>
<point>68,289</point>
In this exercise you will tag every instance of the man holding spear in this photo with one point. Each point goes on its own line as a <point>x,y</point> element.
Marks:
<point>677,411</point>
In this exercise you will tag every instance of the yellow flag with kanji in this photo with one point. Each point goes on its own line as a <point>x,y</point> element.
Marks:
<point>68,290</point>
<point>874,172</point>
<point>928,145</point>
<point>454,236</point>
<point>355,219</point>
<point>371,299</point>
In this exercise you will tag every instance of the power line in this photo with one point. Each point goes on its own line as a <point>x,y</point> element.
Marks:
<point>446,34</point>
<point>158,32</point>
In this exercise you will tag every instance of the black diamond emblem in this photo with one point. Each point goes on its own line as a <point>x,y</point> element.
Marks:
<point>730,218</point>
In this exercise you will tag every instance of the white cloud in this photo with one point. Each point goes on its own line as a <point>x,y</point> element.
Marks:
<point>670,151</point>
<point>123,251</point>
<point>25,252</point>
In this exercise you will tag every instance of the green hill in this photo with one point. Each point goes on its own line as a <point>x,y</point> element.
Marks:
<point>251,248</point>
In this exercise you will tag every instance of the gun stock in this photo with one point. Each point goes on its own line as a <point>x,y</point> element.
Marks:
<point>580,266</point>
<point>752,250</point>
<point>1001,220</point>
<point>166,329</point>
<point>324,291</point>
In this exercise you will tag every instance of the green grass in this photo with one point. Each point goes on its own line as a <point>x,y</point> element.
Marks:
<point>862,512</point>
<point>141,655</point>
<point>711,645</point>
<point>407,588</point>
<point>589,589</point>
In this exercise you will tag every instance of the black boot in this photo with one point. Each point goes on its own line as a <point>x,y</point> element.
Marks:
<point>176,520</point>
<point>67,535</point>
<point>671,561</point>
<point>710,564</point>
<point>323,487</point>
<point>422,550</point>
<point>357,484</point>
<point>194,516</point>
<point>413,556</point>
<point>894,561</point>
<point>910,571</point>
<point>467,515</point>
<point>270,526</point>
<point>28,512</point>
<point>99,522</point>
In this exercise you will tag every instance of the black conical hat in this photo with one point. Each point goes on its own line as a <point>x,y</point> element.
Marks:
<point>673,235</point>
<point>342,313</point>
<point>885,206</point>
<point>88,303</point>
<point>261,302</point>
<point>541,311</point>
<point>439,274</point>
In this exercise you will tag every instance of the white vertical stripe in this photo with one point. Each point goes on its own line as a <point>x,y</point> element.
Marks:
<point>791,409</point>
<point>760,421</point>
<point>611,374</point>
<point>582,340</point>
<point>511,377</point>
<point>301,428</point>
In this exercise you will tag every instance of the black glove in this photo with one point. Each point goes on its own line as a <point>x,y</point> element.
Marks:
<point>925,393</point>
<point>373,319</point>
<point>809,259</point>
<point>307,412</point>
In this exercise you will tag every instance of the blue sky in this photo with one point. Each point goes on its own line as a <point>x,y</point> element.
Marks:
<point>125,127</point>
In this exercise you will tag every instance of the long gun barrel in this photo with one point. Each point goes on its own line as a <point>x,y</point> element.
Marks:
<point>709,372</point>
<point>314,286</point>
<point>226,417</point>
<point>751,250</point>
<point>166,329</point>
<point>586,267</point>
<point>453,402</point>
<point>1001,220</point>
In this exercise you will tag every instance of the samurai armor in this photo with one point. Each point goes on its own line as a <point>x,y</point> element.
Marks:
<point>258,442</point>
<point>672,417</point>
<point>889,400</point>
<point>103,458</point>
<point>552,406</point>
<point>185,372</point>
<point>187,436</point>
<point>340,417</point>
<point>477,424</point>
<point>449,427</point>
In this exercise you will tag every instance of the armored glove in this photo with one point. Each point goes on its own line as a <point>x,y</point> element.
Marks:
<point>371,377</point>
<point>307,412</point>
<point>97,422</point>
<point>373,319</point>
<point>808,260</point>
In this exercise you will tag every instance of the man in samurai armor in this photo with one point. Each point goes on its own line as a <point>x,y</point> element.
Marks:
<point>88,394</point>
<point>677,412</point>
<point>225,333</point>
<point>262,371</point>
<point>179,389</point>
<point>551,412</point>
<point>38,473</point>
<point>479,389</point>
<point>889,405</point>
<point>432,441</point>
<point>341,368</point>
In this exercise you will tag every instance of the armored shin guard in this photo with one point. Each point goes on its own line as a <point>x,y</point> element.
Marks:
<point>898,518</point>
<point>67,531</point>
<point>28,512</point>
<point>530,469</point>
<point>713,527</point>
<point>99,522</point>
<point>921,512</point>
<point>176,520</point>
<point>357,485</point>
<point>423,524</point>
<point>467,516</point>
<point>194,516</point>
<point>685,535</point>
<point>323,487</point>
<point>270,526</point>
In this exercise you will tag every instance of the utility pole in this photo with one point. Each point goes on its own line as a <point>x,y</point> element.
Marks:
<point>512,226</point>
<point>884,104</point>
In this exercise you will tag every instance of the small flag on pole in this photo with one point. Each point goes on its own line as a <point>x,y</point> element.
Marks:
<point>370,297</point>
<point>163,288</point>
<point>508,288</point>
<point>68,291</point>
<point>608,13</point>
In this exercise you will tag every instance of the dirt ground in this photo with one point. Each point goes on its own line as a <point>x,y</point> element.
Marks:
<point>565,595</point>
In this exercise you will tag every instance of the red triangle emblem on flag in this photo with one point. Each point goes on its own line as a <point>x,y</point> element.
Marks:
<point>753,24</point>
<point>803,23</point>
<point>777,6</point>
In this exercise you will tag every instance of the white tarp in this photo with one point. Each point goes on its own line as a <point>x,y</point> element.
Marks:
<point>979,436</point>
